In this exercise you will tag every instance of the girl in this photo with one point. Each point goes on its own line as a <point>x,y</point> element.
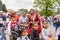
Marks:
<point>46,35</point>
<point>33,17</point>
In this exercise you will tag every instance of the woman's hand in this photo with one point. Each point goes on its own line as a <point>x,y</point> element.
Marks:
<point>30,22</point>
<point>26,33</point>
<point>50,35</point>
<point>52,38</point>
<point>26,24</point>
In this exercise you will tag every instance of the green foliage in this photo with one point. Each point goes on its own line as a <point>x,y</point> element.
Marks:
<point>58,1</point>
<point>2,7</point>
<point>46,6</point>
<point>43,12</point>
<point>25,10</point>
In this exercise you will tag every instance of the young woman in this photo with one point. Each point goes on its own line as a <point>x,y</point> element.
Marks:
<point>46,32</point>
<point>33,17</point>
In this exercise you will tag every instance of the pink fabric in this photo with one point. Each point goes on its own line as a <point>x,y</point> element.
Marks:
<point>13,24</point>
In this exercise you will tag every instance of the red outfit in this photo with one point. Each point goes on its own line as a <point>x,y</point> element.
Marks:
<point>31,20</point>
<point>13,24</point>
<point>16,17</point>
<point>36,19</point>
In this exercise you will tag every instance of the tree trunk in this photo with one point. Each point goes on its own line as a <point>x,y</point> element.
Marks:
<point>46,8</point>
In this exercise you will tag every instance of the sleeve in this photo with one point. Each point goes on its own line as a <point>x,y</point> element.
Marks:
<point>19,22</point>
<point>32,36</point>
<point>44,36</point>
<point>9,28</point>
<point>39,29</point>
<point>29,31</point>
<point>27,19</point>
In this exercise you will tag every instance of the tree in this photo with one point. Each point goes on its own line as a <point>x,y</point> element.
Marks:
<point>46,6</point>
<point>58,9</point>
<point>0,5</point>
<point>43,12</point>
<point>4,8</point>
<point>58,2</point>
<point>23,10</point>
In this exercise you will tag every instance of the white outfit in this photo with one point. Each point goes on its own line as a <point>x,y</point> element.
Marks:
<point>8,29</point>
<point>24,38</point>
<point>45,33</point>
<point>23,20</point>
<point>18,38</point>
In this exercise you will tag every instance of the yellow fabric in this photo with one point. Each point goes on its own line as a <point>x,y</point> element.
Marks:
<point>52,39</point>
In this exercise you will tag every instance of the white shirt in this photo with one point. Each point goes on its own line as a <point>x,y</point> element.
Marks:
<point>45,33</point>
<point>23,19</point>
<point>8,29</point>
<point>25,38</point>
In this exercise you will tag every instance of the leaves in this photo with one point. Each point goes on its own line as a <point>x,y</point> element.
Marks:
<point>25,10</point>
<point>46,6</point>
<point>2,7</point>
<point>43,12</point>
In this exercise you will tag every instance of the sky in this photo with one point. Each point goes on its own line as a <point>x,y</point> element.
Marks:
<point>18,4</point>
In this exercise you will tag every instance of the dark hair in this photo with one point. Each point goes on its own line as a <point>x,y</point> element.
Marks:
<point>11,17</point>
<point>45,21</point>
<point>31,9</point>
<point>35,23</point>
<point>23,29</point>
<point>41,14</point>
<point>20,32</point>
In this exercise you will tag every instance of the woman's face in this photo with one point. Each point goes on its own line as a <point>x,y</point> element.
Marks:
<point>23,14</point>
<point>31,11</point>
<point>45,24</point>
<point>36,11</point>
<point>28,15</point>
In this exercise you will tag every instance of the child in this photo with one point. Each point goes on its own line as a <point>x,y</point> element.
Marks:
<point>23,35</point>
<point>34,34</point>
<point>46,35</point>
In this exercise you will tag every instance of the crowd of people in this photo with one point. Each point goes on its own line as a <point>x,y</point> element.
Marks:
<point>27,26</point>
